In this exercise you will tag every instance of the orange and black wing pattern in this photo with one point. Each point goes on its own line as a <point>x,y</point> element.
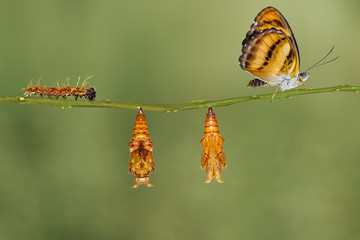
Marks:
<point>269,49</point>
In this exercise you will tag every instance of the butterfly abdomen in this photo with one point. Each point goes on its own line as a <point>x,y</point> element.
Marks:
<point>255,83</point>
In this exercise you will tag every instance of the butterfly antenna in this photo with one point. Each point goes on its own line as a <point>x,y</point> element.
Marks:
<point>318,63</point>
<point>326,62</point>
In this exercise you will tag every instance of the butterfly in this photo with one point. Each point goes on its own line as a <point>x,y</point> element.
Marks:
<point>270,53</point>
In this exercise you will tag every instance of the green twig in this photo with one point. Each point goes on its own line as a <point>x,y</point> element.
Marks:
<point>172,107</point>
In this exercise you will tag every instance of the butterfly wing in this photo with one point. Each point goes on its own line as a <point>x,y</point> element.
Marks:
<point>270,17</point>
<point>268,55</point>
<point>269,49</point>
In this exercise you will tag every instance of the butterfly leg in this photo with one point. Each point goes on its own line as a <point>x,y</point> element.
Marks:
<point>272,98</point>
<point>303,83</point>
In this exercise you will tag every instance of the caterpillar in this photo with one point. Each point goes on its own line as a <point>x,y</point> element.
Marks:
<point>65,91</point>
<point>141,162</point>
<point>212,144</point>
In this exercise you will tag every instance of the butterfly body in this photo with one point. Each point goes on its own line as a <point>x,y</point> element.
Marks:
<point>290,83</point>
<point>270,52</point>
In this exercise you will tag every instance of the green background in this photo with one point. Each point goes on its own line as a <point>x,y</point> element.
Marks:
<point>293,165</point>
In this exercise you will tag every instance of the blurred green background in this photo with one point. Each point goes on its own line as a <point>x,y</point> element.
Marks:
<point>293,165</point>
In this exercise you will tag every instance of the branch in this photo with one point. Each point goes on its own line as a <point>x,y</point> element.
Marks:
<point>196,104</point>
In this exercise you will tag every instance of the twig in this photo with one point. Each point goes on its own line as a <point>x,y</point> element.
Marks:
<point>196,104</point>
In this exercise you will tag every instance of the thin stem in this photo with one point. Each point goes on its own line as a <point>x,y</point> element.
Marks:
<point>196,104</point>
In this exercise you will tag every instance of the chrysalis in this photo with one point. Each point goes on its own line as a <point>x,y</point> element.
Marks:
<point>213,158</point>
<point>141,162</point>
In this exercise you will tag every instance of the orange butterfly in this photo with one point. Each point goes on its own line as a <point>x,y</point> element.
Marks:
<point>271,54</point>
<point>213,156</point>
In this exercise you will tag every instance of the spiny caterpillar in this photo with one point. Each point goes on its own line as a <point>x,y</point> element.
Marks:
<point>141,162</point>
<point>213,156</point>
<point>65,91</point>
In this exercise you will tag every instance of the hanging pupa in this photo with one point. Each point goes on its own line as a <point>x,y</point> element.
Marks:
<point>213,157</point>
<point>141,162</point>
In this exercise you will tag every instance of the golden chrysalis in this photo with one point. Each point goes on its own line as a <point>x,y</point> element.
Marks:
<point>213,157</point>
<point>141,162</point>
